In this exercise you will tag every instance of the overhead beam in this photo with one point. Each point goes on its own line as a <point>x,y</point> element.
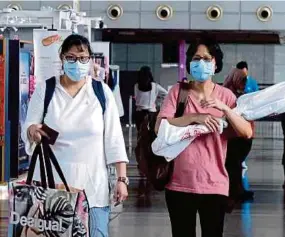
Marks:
<point>164,36</point>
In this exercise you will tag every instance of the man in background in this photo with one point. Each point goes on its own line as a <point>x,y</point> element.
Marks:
<point>251,84</point>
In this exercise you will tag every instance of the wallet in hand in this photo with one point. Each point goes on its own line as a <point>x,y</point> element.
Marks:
<point>53,135</point>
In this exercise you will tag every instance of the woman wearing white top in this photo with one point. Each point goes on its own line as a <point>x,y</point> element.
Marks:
<point>88,140</point>
<point>146,94</point>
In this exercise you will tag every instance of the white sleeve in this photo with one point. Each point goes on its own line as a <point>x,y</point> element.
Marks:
<point>161,91</point>
<point>115,149</point>
<point>34,115</point>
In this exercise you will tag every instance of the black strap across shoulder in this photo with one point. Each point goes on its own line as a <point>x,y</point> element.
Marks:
<point>182,99</point>
<point>50,88</point>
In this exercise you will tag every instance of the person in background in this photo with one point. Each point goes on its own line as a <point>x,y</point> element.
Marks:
<point>111,82</point>
<point>200,182</point>
<point>88,140</point>
<point>98,73</point>
<point>238,147</point>
<point>146,94</point>
<point>251,85</point>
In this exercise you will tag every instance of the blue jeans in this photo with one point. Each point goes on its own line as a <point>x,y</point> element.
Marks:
<point>99,221</point>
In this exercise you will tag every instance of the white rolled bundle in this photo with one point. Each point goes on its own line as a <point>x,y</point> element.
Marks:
<point>263,103</point>
<point>172,140</point>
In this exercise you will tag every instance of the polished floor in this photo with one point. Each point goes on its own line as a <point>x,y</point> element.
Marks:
<point>145,214</point>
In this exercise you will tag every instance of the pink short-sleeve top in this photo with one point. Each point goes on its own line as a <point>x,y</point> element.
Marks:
<point>200,168</point>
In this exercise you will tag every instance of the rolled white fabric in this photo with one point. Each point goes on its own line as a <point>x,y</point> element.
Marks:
<point>172,140</point>
<point>263,103</point>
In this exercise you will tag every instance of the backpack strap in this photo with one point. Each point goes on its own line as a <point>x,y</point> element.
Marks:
<point>50,88</point>
<point>99,92</point>
<point>182,99</point>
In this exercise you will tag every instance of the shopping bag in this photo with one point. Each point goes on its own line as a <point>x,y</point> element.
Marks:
<point>42,210</point>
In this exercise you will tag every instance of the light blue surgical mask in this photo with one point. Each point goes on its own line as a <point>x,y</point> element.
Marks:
<point>201,70</point>
<point>76,71</point>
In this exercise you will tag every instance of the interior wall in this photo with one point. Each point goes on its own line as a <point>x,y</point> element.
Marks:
<point>266,62</point>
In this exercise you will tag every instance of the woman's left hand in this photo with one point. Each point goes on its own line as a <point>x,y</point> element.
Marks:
<point>121,192</point>
<point>214,103</point>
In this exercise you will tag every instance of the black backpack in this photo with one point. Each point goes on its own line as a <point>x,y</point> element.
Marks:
<point>50,87</point>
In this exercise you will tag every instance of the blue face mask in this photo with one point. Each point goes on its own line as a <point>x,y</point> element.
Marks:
<point>76,71</point>
<point>201,71</point>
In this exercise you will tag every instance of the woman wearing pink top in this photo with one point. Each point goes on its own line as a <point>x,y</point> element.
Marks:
<point>200,181</point>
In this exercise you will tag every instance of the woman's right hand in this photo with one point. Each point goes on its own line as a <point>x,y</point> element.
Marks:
<point>212,123</point>
<point>35,133</point>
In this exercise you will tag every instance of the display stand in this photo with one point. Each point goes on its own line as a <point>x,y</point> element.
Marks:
<point>12,110</point>
<point>50,19</point>
<point>24,99</point>
<point>2,109</point>
<point>46,47</point>
<point>13,75</point>
<point>32,82</point>
<point>10,113</point>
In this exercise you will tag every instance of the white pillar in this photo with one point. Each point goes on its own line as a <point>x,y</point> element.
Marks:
<point>76,5</point>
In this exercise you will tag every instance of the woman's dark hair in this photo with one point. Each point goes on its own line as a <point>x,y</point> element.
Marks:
<point>242,65</point>
<point>214,50</point>
<point>75,40</point>
<point>112,82</point>
<point>145,79</point>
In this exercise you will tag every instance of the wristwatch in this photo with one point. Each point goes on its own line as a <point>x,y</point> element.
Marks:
<point>124,180</point>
